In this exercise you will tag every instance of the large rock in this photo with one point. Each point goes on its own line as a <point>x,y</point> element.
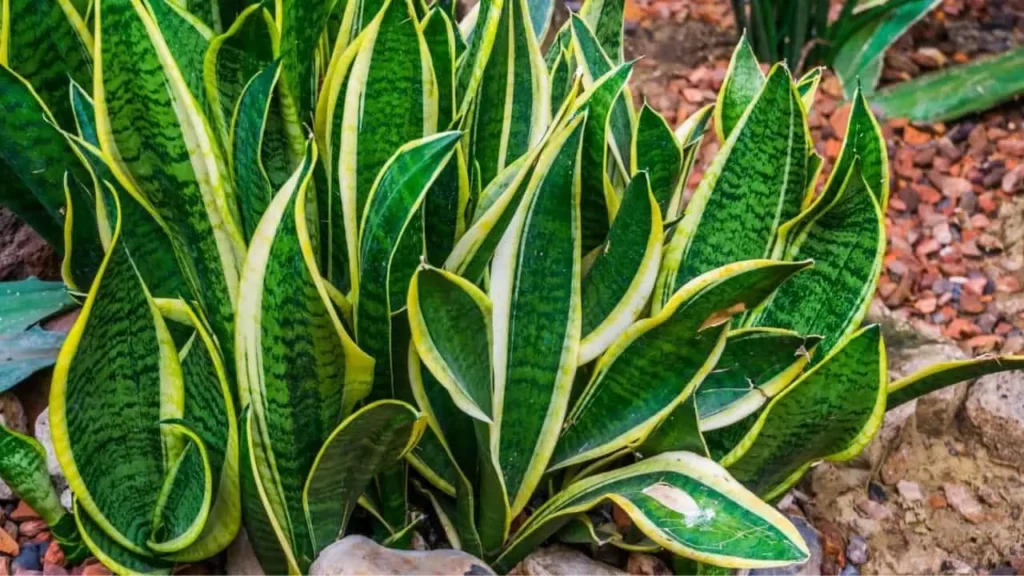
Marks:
<point>995,407</point>
<point>560,560</point>
<point>42,430</point>
<point>355,555</point>
<point>936,411</point>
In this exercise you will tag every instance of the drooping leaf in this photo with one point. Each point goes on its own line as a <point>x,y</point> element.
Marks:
<point>618,285</point>
<point>83,247</point>
<point>22,354</point>
<point>857,60</point>
<point>535,292</point>
<point>687,504</point>
<point>831,413</point>
<point>945,374</point>
<point>756,365</point>
<point>27,302</point>
<point>296,365</point>
<point>657,152</point>
<point>743,82</point>
<point>755,183</point>
<point>658,362</point>
<point>955,91</point>
<point>350,458</point>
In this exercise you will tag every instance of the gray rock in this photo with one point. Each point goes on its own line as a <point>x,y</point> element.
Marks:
<point>857,550</point>
<point>850,570</point>
<point>355,555</point>
<point>995,407</point>
<point>42,430</point>
<point>813,564</point>
<point>12,416</point>
<point>560,560</point>
<point>242,559</point>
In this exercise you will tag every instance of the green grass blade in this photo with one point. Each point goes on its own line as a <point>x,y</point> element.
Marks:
<point>535,291</point>
<point>668,497</point>
<point>742,84</point>
<point>956,91</point>
<point>755,183</point>
<point>831,413</point>
<point>352,455</point>
<point>660,361</point>
<point>618,285</point>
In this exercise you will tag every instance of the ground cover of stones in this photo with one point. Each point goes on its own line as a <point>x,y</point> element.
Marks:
<point>941,489</point>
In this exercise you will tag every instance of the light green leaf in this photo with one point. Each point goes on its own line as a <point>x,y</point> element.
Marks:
<point>22,354</point>
<point>742,84</point>
<point>687,504</point>
<point>944,374</point>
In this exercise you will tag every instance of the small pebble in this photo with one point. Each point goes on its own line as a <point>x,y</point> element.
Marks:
<point>850,570</point>
<point>30,557</point>
<point>857,550</point>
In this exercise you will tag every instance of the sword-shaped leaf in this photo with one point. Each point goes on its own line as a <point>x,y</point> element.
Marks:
<point>605,18</point>
<point>85,114</point>
<point>687,504</point>
<point>351,456</point>
<point>301,23</point>
<point>390,99</point>
<point>863,140</point>
<point>439,33</point>
<point>153,129</point>
<point>657,152</point>
<point>755,183</point>
<point>743,82</point>
<point>512,111</point>
<point>391,206</point>
<point>658,362</point>
<point>451,327</point>
<point>757,364</point>
<point>845,236</point>
<point>187,39</point>
<point>46,43</point>
<point>297,367</point>
<point>591,57</point>
<point>599,201</point>
<point>83,248</point>
<point>690,134</point>
<point>33,158</point>
<point>183,506</point>
<point>480,29</point>
<point>232,59</point>
<point>117,376</point>
<point>831,413</point>
<point>23,468</point>
<point>680,430</point>
<point>535,293</point>
<point>807,86</point>
<point>945,374</point>
<point>616,289</point>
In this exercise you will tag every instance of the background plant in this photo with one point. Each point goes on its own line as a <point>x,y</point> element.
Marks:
<point>329,246</point>
<point>854,45</point>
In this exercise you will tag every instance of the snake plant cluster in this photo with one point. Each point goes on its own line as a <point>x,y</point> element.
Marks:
<point>354,258</point>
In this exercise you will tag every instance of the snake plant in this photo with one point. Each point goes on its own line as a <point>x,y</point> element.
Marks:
<point>328,250</point>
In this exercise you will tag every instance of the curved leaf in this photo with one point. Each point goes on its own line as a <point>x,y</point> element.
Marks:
<point>112,554</point>
<point>944,374</point>
<point>831,413</point>
<point>685,503</point>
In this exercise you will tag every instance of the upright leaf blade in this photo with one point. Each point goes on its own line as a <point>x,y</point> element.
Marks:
<point>743,82</point>
<point>657,152</point>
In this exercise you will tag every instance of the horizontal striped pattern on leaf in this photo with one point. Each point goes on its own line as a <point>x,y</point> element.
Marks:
<point>668,497</point>
<point>657,152</point>
<point>830,413</point>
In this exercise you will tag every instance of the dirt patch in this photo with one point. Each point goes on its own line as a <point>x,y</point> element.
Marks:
<point>23,253</point>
